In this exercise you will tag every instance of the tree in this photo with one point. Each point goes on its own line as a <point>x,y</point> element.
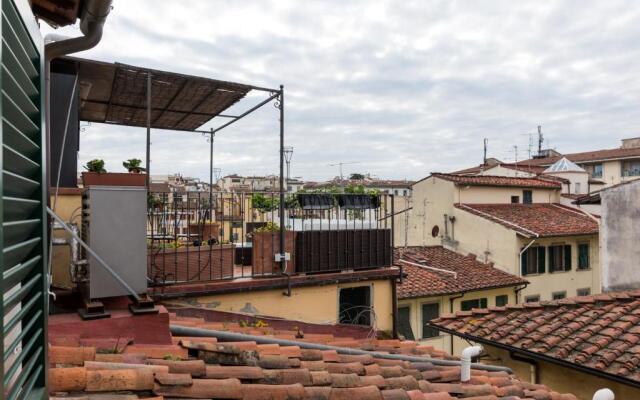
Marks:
<point>356,176</point>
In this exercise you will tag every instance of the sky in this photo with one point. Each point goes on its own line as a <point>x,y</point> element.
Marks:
<point>397,89</point>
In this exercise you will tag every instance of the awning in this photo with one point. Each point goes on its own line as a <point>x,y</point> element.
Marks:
<point>115,93</point>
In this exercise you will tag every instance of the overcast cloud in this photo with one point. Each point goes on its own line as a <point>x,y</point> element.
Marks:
<point>401,87</point>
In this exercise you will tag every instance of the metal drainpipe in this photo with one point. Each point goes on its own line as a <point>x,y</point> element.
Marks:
<point>394,306</point>
<point>240,337</point>
<point>451,299</point>
<point>533,366</point>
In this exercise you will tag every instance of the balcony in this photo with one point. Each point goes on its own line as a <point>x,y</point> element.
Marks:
<point>201,237</point>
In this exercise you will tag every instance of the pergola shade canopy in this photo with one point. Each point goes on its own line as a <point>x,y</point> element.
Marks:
<point>115,93</point>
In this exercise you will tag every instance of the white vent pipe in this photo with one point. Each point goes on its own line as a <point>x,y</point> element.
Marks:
<point>465,361</point>
<point>604,394</point>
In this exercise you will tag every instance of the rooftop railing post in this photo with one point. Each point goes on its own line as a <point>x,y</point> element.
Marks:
<point>148,160</point>
<point>283,262</point>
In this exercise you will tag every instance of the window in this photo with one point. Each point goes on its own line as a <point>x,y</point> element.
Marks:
<point>502,300</point>
<point>404,192</point>
<point>631,168</point>
<point>527,197</point>
<point>355,306</point>
<point>404,323</point>
<point>583,292</point>
<point>559,258</point>
<point>532,299</point>
<point>533,261</point>
<point>429,311</point>
<point>467,305</point>
<point>395,192</point>
<point>558,295</point>
<point>583,256</point>
<point>515,199</point>
<point>595,170</point>
<point>577,188</point>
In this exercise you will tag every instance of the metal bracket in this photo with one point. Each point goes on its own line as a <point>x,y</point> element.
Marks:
<point>280,257</point>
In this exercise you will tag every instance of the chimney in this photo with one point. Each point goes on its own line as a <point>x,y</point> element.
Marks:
<point>630,143</point>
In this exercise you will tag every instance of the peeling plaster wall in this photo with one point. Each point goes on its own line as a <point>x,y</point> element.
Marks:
<point>619,237</point>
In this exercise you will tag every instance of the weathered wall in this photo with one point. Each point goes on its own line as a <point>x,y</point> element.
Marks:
<point>316,304</point>
<point>560,379</point>
<point>443,341</point>
<point>564,281</point>
<point>619,236</point>
<point>68,208</point>
<point>499,170</point>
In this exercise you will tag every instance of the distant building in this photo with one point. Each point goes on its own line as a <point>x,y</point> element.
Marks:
<point>440,281</point>
<point>387,186</point>
<point>605,167</point>
<point>517,223</point>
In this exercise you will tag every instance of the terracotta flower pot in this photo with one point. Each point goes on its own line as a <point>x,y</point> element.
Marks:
<point>113,179</point>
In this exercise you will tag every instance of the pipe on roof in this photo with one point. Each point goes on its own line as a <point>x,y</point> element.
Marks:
<point>92,19</point>
<point>241,337</point>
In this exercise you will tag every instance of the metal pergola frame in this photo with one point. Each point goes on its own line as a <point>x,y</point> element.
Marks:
<point>274,95</point>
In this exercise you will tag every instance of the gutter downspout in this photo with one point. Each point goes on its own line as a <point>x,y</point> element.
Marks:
<point>92,19</point>
<point>520,258</point>
<point>451,300</point>
<point>226,336</point>
<point>519,289</point>
<point>533,366</point>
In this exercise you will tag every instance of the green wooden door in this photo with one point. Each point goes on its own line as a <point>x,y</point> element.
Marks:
<point>23,162</point>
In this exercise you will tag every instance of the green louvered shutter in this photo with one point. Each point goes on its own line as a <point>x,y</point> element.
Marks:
<point>24,305</point>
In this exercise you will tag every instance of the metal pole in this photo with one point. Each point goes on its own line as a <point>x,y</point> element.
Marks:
<point>148,167</point>
<point>283,262</point>
<point>211,174</point>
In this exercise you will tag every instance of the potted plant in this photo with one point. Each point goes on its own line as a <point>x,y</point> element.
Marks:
<point>266,243</point>
<point>133,165</point>
<point>97,175</point>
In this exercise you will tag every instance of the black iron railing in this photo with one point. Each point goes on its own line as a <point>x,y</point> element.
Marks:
<point>237,235</point>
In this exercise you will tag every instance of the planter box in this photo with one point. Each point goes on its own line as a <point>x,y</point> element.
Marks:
<point>113,179</point>
<point>265,246</point>
<point>191,263</point>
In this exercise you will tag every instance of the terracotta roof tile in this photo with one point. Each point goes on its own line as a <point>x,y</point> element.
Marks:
<point>200,368</point>
<point>535,219</point>
<point>471,274</point>
<point>491,180</point>
<point>590,331</point>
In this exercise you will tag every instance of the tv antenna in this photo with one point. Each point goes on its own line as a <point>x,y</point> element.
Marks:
<point>340,164</point>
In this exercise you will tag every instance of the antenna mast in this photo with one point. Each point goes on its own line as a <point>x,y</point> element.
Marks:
<point>484,158</point>
<point>540,140</point>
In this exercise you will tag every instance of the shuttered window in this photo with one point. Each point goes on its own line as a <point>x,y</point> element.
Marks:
<point>23,215</point>
<point>559,258</point>
<point>533,261</point>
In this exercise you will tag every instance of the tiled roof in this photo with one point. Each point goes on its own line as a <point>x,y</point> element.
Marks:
<point>536,219</point>
<point>471,274</point>
<point>490,180</point>
<point>368,183</point>
<point>532,169</point>
<point>197,367</point>
<point>596,155</point>
<point>600,332</point>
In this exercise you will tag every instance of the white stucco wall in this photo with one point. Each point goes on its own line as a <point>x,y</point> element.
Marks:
<point>620,236</point>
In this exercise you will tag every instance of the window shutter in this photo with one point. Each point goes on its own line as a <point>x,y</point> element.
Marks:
<point>523,262</point>
<point>541,260</point>
<point>483,302</point>
<point>567,257</point>
<point>23,235</point>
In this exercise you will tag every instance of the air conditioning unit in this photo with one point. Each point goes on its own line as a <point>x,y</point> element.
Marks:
<point>114,226</point>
